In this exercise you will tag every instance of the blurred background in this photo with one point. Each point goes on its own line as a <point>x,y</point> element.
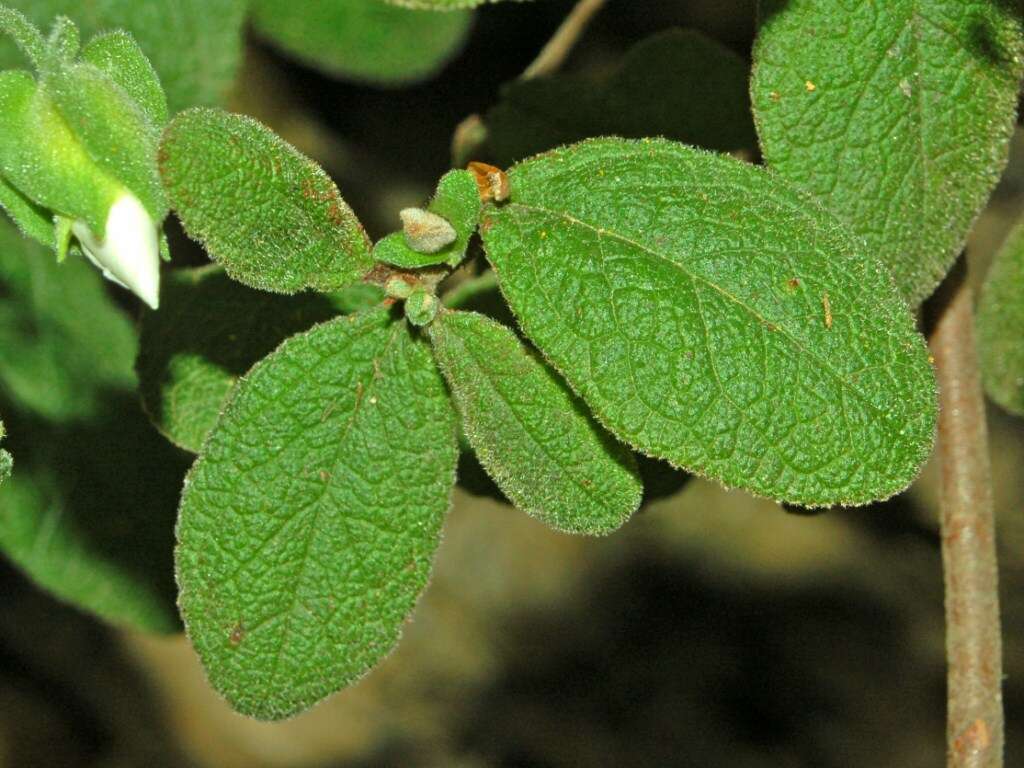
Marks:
<point>713,630</point>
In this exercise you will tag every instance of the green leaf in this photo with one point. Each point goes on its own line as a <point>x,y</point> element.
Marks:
<point>22,34</point>
<point>89,515</point>
<point>678,84</point>
<point>56,173</point>
<point>194,45</point>
<point>1000,325</point>
<point>714,317</point>
<point>457,200</point>
<point>208,332</point>
<point>530,433</point>
<point>364,40</point>
<point>113,129</point>
<point>442,5</point>
<point>309,523</point>
<point>32,220</point>
<point>119,57</point>
<point>261,208</point>
<point>62,342</point>
<point>895,115</point>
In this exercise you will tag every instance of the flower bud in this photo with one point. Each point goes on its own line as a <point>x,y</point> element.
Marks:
<point>78,146</point>
<point>129,253</point>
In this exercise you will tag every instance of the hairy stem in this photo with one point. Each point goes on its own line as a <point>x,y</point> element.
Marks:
<point>558,48</point>
<point>974,729</point>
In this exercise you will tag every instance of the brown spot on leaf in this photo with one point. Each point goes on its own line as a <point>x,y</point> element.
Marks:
<point>237,635</point>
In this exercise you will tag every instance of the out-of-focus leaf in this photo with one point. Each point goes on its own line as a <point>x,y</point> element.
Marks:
<point>366,40</point>
<point>62,342</point>
<point>261,208</point>
<point>442,5</point>
<point>895,115</point>
<point>89,513</point>
<point>678,84</point>
<point>195,45</point>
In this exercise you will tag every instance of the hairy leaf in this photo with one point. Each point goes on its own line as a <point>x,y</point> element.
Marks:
<point>114,130</point>
<point>208,332</point>
<point>261,208</point>
<point>457,201</point>
<point>309,523</point>
<point>119,57</point>
<point>531,434</point>
<point>678,84</point>
<point>1001,325</point>
<point>365,40</point>
<point>895,115</point>
<point>713,317</point>
<point>62,341</point>
<point>31,219</point>
<point>57,174</point>
<point>195,45</point>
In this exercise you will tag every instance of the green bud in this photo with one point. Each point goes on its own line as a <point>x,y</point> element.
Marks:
<point>78,147</point>
<point>397,287</point>
<point>421,307</point>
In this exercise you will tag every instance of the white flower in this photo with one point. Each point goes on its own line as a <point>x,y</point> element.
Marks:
<point>130,253</point>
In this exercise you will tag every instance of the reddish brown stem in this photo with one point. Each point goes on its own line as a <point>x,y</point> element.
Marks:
<point>974,728</point>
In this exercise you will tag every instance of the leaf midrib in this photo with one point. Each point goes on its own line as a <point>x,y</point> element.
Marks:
<point>604,231</point>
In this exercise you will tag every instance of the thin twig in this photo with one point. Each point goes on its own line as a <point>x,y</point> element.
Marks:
<point>471,132</point>
<point>974,728</point>
<point>558,48</point>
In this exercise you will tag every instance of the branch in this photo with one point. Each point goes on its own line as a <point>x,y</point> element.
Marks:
<point>472,132</point>
<point>974,729</point>
<point>558,48</point>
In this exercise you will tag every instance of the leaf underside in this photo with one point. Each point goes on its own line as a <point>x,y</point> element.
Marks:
<point>712,316</point>
<point>308,524</point>
<point>534,437</point>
